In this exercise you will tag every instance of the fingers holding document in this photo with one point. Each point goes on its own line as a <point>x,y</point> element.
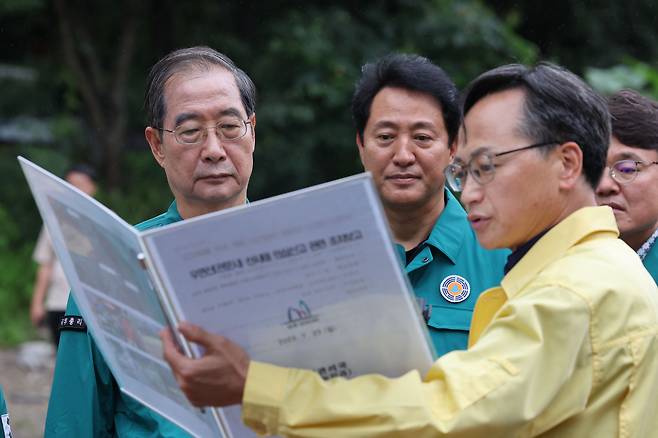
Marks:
<point>215,379</point>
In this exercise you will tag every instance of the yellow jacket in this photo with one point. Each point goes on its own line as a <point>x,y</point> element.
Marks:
<point>566,347</point>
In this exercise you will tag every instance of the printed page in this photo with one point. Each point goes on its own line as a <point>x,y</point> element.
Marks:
<point>98,252</point>
<point>309,279</point>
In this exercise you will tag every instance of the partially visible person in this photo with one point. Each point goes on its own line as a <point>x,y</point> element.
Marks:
<point>51,290</point>
<point>407,117</point>
<point>201,111</point>
<point>630,183</point>
<point>566,346</point>
<point>4,416</point>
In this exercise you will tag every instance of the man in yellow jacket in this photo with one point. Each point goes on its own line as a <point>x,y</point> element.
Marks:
<point>566,346</point>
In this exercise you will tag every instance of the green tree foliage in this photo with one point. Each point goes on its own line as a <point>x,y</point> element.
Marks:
<point>307,70</point>
<point>14,289</point>
<point>582,34</point>
<point>632,74</point>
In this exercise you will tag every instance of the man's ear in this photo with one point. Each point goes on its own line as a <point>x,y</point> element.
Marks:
<point>458,141</point>
<point>570,162</point>
<point>252,119</point>
<point>452,147</point>
<point>360,146</point>
<point>154,139</point>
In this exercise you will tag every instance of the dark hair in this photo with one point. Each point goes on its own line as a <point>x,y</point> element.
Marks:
<point>84,169</point>
<point>184,59</point>
<point>411,72</point>
<point>559,106</point>
<point>634,119</point>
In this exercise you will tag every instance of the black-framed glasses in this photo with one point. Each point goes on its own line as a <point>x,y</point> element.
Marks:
<point>481,166</point>
<point>193,133</point>
<point>625,171</point>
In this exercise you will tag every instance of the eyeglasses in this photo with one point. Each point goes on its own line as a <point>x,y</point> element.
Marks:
<point>625,171</point>
<point>193,133</point>
<point>480,166</point>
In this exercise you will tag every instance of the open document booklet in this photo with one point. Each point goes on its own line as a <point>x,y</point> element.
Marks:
<point>309,279</point>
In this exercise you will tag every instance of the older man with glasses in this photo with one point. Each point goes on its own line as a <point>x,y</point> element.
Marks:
<point>630,184</point>
<point>202,114</point>
<point>566,346</point>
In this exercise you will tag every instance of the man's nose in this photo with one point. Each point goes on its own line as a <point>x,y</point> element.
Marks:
<point>213,147</point>
<point>404,153</point>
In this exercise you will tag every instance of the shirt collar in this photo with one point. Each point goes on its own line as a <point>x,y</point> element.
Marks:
<point>448,231</point>
<point>584,224</point>
<point>172,213</point>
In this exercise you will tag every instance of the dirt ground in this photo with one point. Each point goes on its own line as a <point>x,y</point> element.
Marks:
<point>26,392</point>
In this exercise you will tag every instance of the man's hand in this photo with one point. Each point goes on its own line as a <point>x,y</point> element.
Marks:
<point>217,378</point>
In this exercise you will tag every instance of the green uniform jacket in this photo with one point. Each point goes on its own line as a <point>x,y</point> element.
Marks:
<point>4,417</point>
<point>651,262</point>
<point>453,262</point>
<point>85,400</point>
<point>3,405</point>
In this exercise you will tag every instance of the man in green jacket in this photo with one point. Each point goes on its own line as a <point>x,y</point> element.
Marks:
<point>406,113</point>
<point>192,96</point>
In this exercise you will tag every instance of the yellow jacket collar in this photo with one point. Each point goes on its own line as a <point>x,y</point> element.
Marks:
<point>584,224</point>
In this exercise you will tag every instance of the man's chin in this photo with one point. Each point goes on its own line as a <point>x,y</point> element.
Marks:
<point>407,197</point>
<point>220,198</point>
<point>403,202</point>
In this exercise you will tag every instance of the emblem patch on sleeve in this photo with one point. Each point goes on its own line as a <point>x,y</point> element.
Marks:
<point>6,429</point>
<point>455,288</point>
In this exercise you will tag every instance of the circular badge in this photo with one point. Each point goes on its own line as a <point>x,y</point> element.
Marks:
<point>455,288</point>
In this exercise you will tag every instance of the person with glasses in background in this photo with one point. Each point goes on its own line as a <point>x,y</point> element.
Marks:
<point>201,112</point>
<point>566,346</point>
<point>630,183</point>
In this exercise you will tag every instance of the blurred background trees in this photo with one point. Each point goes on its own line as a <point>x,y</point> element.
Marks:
<point>72,77</point>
